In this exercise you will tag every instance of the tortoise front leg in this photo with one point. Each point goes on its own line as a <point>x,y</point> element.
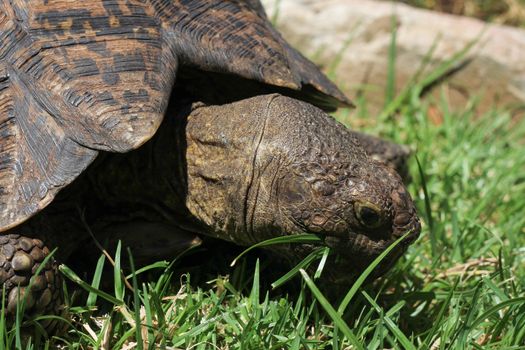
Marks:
<point>20,260</point>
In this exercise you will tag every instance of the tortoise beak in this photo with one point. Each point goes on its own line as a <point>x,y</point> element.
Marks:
<point>355,252</point>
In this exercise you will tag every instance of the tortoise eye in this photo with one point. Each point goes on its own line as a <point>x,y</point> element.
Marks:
<point>368,214</point>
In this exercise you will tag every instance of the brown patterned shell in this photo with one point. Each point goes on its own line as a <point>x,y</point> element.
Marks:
<point>77,77</point>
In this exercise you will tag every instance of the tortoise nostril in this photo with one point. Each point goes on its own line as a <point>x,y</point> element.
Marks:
<point>399,198</point>
<point>402,219</point>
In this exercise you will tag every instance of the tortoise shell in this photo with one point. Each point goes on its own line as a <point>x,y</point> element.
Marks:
<point>79,77</point>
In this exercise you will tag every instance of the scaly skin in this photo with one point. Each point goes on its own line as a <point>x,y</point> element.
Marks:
<point>244,172</point>
<point>20,258</point>
<point>260,168</point>
<point>272,165</point>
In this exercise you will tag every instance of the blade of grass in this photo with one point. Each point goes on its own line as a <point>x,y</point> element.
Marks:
<point>149,316</point>
<point>336,317</point>
<point>316,254</point>
<point>95,283</point>
<point>256,288</point>
<point>322,263</point>
<point>391,70</point>
<point>275,16</point>
<point>400,336</point>
<point>449,64</point>
<point>417,87</point>
<point>440,316</point>
<point>428,209</point>
<point>299,238</point>
<point>74,278</point>
<point>339,55</point>
<point>364,275</point>
<point>156,265</point>
<point>136,302</point>
<point>117,273</point>
<point>496,308</point>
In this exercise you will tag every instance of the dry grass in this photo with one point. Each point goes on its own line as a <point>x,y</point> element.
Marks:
<point>510,12</point>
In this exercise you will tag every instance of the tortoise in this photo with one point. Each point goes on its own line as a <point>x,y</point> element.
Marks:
<point>165,120</point>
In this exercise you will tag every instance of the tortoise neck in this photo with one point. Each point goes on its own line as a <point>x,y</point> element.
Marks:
<point>149,183</point>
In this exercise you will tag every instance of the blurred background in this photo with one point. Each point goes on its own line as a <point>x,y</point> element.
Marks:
<point>511,12</point>
<point>482,40</point>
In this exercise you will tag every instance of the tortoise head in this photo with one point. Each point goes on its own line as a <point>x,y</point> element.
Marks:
<point>272,165</point>
<point>358,209</point>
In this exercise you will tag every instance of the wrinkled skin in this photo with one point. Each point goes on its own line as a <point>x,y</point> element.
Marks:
<point>253,170</point>
<point>271,166</point>
<point>243,172</point>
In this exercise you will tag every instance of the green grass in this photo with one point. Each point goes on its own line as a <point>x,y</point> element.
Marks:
<point>460,286</point>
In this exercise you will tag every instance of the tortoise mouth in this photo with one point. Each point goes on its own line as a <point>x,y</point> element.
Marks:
<point>363,244</point>
<point>355,244</point>
<point>356,251</point>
